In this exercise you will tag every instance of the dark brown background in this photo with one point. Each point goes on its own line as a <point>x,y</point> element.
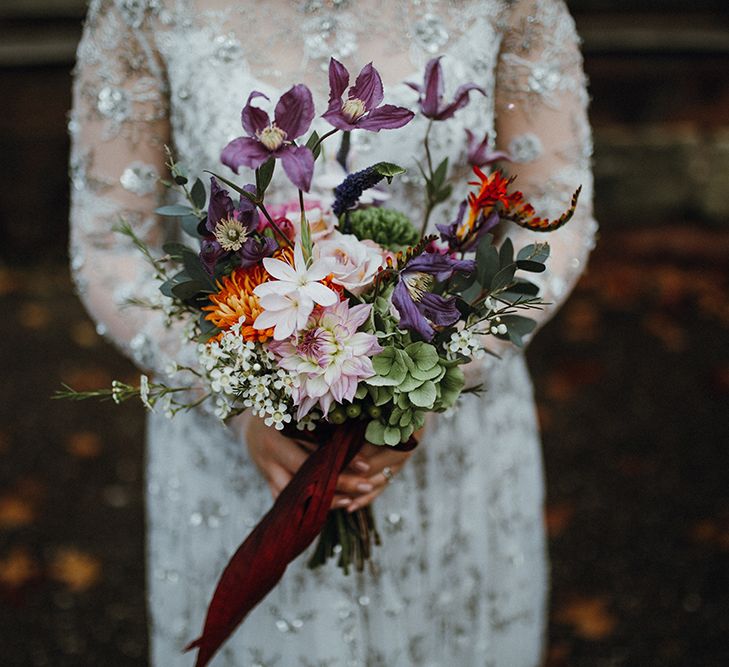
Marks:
<point>632,377</point>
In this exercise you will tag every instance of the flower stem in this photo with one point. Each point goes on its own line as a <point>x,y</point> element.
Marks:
<point>429,204</point>
<point>322,137</point>
<point>274,226</point>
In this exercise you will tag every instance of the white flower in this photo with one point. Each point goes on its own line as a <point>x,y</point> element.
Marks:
<point>230,233</point>
<point>355,262</point>
<point>288,300</point>
<point>144,392</point>
<point>278,417</point>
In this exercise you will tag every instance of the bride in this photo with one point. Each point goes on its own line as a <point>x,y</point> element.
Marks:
<point>462,577</point>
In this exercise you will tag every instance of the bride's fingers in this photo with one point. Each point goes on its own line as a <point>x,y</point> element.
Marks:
<point>339,501</point>
<point>353,484</point>
<point>277,478</point>
<point>363,501</point>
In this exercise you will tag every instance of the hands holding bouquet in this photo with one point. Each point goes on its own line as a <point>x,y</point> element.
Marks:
<point>334,320</point>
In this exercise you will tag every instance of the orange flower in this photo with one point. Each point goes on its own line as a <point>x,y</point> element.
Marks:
<point>236,299</point>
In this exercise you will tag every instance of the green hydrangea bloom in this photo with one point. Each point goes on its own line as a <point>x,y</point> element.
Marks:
<point>389,228</point>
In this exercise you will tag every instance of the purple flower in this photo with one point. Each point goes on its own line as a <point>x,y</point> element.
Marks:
<point>463,238</point>
<point>479,153</point>
<point>431,93</point>
<point>232,230</point>
<point>292,118</point>
<point>419,309</point>
<point>362,107</point>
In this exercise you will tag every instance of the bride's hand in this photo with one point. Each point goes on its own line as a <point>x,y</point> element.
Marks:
<point>278,458</point>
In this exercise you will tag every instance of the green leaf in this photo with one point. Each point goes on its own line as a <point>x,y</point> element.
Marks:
<point>424,396</point>
<point>392,436</point>
<point>487,261</point>
<point>196,271</point>
<point>361,391</point>
<point>506,253</point>
<point>409,383</point>
<point>197,194</point>
<point>394,417</point>
<point>375,433</point>
<point>190,224</point>
<point>173,210</point>
<point>175,250</point>
<point>439,175</point>
<point>313,141</point>
<point>406,418</point>
<point>518,327</point>
<point>529,265</point>
<point>443,194</point>
<point>451,386</point>
<point>520,289</point>
<point>424,355</point>
<point>187,290</point>
<point>503,277</point>
<point>388,170</point>
<point>264,174</point>
<point>537,252</point>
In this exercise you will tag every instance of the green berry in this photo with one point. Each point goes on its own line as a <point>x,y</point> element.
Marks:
<point>337,416</point>
<point>354,410</point>
<point>374,411</point>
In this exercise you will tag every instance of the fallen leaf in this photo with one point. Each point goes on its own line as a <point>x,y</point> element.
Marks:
<point>78,570</point>
<point>15,512</point>
<point>589,618</point>
<point>17,568</point>
<point>557,517</point>
<point>34,316</point>
<point>84,445</point>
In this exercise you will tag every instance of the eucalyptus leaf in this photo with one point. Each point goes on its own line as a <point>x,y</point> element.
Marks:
<point>191,225</point>
<point>487,261</point>
<point>175,250</point>
<point>537,252</point>
<point>529,265</point>
<point>503,277</point>
<point>173,210</point>
<point>197,194</point>
<point>506,253</point>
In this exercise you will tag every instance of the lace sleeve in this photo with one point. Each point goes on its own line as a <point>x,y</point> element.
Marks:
<point>119,125</point>
<point>541,119</point>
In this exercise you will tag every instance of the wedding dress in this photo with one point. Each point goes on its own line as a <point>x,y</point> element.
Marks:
<point>462,576</point>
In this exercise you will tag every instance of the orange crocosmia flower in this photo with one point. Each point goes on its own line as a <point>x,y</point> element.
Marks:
<point>492,189</point>
<point>236,299</point>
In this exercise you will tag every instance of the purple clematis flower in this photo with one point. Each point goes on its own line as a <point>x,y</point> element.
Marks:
<point>232,230</point>
<point>478,152</point>
<point>419,309</point>
<point>361,109</point>
<point>461,238</point>
<point>431,93</point>
<point>292,118</point>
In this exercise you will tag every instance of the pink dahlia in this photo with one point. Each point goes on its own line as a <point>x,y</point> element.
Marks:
<point>329,355</point>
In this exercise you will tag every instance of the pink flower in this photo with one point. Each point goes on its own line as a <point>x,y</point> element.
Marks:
<point>330,356</point>
<point>354,262</point>
<point>321,220</point>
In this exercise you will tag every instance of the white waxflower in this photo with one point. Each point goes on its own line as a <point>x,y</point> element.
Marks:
<point>144,392</point>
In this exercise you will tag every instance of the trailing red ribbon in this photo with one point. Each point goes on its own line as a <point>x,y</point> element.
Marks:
<point>291,525</point>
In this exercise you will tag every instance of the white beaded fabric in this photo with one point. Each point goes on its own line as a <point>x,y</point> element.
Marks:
<point>462,576</point>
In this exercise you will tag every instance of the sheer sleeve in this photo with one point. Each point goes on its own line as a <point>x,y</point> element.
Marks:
<point>119,126</point>
<point>541,120</point>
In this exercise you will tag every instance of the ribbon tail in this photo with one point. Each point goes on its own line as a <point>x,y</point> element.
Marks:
<point>289,527</point>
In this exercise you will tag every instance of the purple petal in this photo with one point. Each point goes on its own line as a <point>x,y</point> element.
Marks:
<point>295,111</point>
<point>244,151</point>
<point>253,118</point>
<point>335,117</point>
<point>386,117</point>
<point>439,265</point>
<point>448,232</point>
<point>410,316</point>
<point>253,251</point>
<point>338,80</point>
<point>460,101</point>
<point>479,153</point>
<point>433,88</point>
<point>368,87</point>
<point>210,253</point>
<point>220,205</point>
<point>415,86</point>
<point>247,211</point>
<point>440,310</point>
<point>298,163</point>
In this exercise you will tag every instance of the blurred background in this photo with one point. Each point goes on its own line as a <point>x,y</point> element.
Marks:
<point>632,377</point>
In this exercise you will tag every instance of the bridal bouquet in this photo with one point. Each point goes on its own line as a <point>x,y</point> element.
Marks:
<point>334,318</point>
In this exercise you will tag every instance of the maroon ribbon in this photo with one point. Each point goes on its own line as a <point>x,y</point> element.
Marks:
<point>290,526</point>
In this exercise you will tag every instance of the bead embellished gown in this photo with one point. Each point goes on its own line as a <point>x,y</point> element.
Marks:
<point>462,576</point>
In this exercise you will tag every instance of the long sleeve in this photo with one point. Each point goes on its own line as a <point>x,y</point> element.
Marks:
<point>119,126</point>
<point>541,120</point>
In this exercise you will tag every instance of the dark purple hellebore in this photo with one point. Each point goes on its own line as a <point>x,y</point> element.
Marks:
<point>466,242</point>
<point>361,109</point>
<point>431,93</point>
<point>479,154</point>
<point>418,307</point>
<point>292,118</point>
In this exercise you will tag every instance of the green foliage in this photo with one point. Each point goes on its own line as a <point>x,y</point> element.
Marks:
<point>391,229</point>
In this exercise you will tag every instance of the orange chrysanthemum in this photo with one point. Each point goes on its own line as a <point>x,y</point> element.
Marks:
<point>236,299</point>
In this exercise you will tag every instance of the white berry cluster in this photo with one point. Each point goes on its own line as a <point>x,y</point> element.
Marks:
<point>464,344</point>
<point>243,374</point>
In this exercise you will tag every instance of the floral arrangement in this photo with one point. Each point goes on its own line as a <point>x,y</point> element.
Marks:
<point>335,318</point>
